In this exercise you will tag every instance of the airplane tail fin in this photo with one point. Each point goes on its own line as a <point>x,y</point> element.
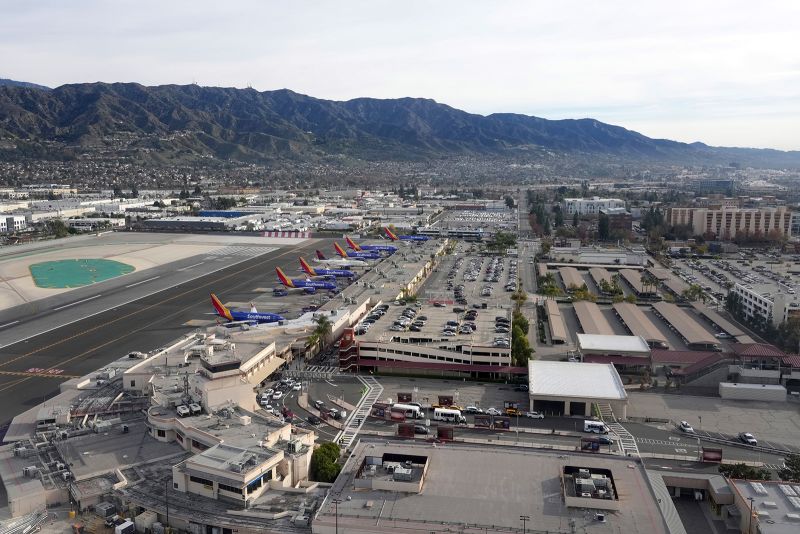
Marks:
<point>320,255</point>
<point>220,308</point>
<point>339,250</point>
<point>351,244</point>
<point>283,278</point>
<point>391,235</point>
<point>306,267</point>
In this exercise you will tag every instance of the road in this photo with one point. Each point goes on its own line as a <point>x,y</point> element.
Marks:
<point>32,369</point>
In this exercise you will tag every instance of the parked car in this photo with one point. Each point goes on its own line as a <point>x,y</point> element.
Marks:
<point>421,429</point>
<point>534,415</point>
<point>472,410</point>
<point>314,420</point>
<point>297,387</point>
<point>604,440</point>
<point>277,395</point>
<point>493,411</point>
<point>686,427</point>
<point>747,437</point>
<point>521,387</point>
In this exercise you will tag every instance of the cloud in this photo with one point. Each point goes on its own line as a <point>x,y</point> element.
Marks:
<point>705,65</point>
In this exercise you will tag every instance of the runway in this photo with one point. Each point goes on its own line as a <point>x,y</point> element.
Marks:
<point>32,369</point>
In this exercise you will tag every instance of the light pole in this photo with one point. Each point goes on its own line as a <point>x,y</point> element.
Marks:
<point>336,513</point>
<point>750,519</point>
<point>524,519</point>
<point>166,499</point>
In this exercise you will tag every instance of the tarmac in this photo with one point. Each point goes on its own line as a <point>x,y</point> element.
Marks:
<point>43,347</point>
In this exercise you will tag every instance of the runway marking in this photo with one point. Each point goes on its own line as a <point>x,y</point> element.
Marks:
<point>37,375</point>
<point>8,324</point>
<point>190,266</point>
<point>143,281</point>
<point>76,302</point>
<point>123,317</point>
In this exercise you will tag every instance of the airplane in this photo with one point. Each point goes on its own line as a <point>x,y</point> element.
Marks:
<point>353,254</point>
<point>349,262</point>
<point>309,286</point>
<point>380,248</point>
<point>394,237</point>
<point>252,317</point>
<point>334,273</point>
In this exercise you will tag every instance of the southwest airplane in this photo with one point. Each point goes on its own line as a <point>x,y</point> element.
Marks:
<point>351,262</point>
<point>392,236</point>
<point>309,286</point>
<point>353,254</point>
<point>237,317</point>
<point>336,273</point>
<point>380,248</point>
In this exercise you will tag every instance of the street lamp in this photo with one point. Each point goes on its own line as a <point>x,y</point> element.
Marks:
<point>750,520</point>
<point>336,513</point>
<point>524,519</point>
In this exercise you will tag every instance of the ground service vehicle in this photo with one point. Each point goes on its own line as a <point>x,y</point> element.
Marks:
<point>449,416</point>
<point>597,427</point>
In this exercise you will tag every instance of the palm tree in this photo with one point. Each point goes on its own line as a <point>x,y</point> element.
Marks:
<point>323,330</point>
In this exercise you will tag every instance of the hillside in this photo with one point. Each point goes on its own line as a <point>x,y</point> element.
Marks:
<point>189,122</point>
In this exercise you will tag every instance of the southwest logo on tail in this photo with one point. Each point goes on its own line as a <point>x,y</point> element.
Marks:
<point>394,237</point>
<point>321,256</point>
<point>391,249</point>
<point>309,286</point>
<point>327,273</point>
<point>236,317</point>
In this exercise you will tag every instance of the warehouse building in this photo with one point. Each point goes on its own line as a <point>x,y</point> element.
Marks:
<point>638,324</point>
<point>571,277</point>
<point>555,322</point>
<point>591,319</point>
<point>694,335</point>
<point>570,388</point>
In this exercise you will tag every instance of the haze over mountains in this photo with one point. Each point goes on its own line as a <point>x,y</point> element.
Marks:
<point>188,123</point>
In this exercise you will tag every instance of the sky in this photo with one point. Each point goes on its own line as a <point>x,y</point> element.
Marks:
<point>726,73</point>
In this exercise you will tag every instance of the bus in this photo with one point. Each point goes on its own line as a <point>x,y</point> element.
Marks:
<point>448,415</point>
<point>410,411</point>
<point>597,427</point>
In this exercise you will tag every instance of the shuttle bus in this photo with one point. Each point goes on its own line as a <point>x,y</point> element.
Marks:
<point>448,415</point>
<point>409,410</point>
<point>597,427</point>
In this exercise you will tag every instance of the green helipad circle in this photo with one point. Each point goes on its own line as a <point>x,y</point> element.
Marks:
<point>76,273</point>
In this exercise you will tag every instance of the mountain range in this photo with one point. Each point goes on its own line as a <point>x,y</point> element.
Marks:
<point>189,122</point>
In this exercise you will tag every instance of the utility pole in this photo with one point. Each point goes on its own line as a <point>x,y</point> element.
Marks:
<point>336,513</point>
<point>524,519</point>
<point>750,519</point>
<point>166,499</point>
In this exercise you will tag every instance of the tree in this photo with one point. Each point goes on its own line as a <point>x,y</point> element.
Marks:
<point>693,293</point>
<point>323,330</point>
<point>603,228</point>
<point>791,472</point>
<point>324,463</point>
<point>575,219</point>
<point>744,472</point>
<point>57,227</point>
<point>197,191</point>
<point>631,298</point>
<point>559,220</point>
<point>510,202</point>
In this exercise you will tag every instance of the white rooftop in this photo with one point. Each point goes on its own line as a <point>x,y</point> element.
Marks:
<point>575,379</point>
<point>615,344</point>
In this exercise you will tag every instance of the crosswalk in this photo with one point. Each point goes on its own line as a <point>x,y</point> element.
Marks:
<point>352,426</point>
<point>774,467</point>
<point>626,440</point>
<point>671,442</point>
<point>233,250</point>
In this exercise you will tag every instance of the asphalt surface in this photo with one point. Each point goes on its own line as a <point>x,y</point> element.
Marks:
<point>32,369</point>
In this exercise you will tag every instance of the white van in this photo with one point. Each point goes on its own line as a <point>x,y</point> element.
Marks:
<point>449,415</point>
<point>596,427</point>
<point>411,412</point>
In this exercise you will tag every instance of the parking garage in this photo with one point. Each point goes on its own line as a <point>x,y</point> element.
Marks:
<point>694,335</point>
